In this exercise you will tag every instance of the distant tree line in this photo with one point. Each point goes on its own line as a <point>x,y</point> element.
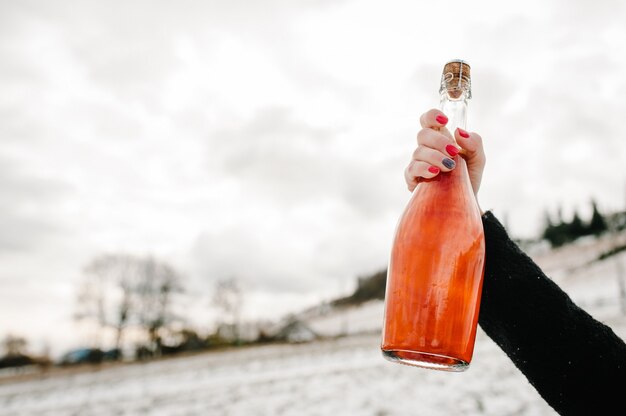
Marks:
<point>134,304</point>
<point>559,232</point>
<point>135,298</point>
<point>369,287</point>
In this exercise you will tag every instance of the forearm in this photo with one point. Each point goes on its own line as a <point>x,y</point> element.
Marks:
<point>575,362</point>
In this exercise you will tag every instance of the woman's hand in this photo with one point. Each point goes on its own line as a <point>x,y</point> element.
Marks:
<point>436,148</point>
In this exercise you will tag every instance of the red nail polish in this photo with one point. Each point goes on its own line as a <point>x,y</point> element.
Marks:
<point>463,133</point>
<point>433,169</point>
<point>452,151</point>
<point>441,119</point>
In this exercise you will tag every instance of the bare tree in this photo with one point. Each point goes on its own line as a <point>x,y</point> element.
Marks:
<point>121,290</point>
<point>158,284</point>
<point>228,297</point>
<point>106,292</point>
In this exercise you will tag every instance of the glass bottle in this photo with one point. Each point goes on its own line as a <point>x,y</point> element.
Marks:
<point>435,274</point>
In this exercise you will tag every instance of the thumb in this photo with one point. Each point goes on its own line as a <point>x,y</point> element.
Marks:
<point>471,143</point>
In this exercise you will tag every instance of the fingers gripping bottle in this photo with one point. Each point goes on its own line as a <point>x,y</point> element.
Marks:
<point>434,279</point>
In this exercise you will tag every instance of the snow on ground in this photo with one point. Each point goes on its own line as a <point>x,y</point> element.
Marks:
<point>347,376</point>
<point>344,376</point>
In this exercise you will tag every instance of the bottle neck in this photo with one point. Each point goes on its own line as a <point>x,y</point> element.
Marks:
<point>454,106</point>
<point>455,109</point>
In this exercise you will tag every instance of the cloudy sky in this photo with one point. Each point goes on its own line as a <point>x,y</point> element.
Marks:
<point>267,139</point>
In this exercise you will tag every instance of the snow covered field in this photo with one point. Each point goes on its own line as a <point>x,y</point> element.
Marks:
<point>346,376</point>
<point>341,377</point>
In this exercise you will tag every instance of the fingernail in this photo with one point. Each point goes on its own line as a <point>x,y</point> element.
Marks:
<point>452,150</point>
<point>449,163</point>
<point>433,169</point>
<point>441,119</point>
<point>463,133</point>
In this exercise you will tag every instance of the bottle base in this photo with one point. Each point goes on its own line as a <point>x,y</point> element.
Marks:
<point>425,360</point>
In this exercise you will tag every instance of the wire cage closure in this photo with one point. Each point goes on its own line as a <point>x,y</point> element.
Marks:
<point>456,79</point>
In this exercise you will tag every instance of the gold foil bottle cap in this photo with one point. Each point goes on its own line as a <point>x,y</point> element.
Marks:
<point>456,79</point>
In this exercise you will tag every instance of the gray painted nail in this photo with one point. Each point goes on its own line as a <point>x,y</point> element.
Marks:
<point>449,163</point>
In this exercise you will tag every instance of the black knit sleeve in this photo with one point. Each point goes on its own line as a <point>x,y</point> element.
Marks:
<point>577,364</point>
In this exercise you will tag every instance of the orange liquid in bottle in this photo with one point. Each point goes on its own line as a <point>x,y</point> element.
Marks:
<point>435,275</point>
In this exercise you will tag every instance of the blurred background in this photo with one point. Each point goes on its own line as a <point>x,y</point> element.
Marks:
<point>195,176</point>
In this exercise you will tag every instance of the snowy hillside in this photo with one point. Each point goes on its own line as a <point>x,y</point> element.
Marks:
<point>594,285</point>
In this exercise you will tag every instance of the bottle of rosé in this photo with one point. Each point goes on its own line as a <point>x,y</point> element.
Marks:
<point>436,267</point>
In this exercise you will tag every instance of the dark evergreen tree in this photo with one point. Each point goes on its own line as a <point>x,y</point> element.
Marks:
<point>598,224</point>
<point>576,228</point>
<point>557,233</point>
